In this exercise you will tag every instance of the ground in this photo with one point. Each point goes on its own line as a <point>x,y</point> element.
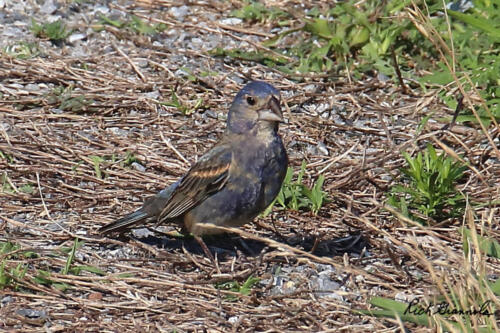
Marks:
<point>92,126</point>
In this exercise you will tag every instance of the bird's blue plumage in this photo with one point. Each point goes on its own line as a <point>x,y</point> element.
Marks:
<point>255,88</point>
<point>235,180</point>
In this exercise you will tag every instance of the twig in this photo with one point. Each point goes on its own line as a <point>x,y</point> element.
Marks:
<point>460,105</point>
<point>41,196</point>
<point>136,69</point>
<point>169,145</point>
<point>398,72</point>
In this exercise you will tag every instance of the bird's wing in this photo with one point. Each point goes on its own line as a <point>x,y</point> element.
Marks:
<point>205,177</point>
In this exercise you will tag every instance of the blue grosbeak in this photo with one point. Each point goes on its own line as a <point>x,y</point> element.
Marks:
<point>234,181</point>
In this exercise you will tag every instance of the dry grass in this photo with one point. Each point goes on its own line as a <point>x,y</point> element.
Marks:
<point>147,287</point>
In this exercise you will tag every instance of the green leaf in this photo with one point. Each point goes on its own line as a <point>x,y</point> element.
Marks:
<point>77,269</point>
<point>114,23</point>
<point>488,245</point>
<point>495,287</point>
<point>359,36</point>
<point>395,309</point>
<point>43,277</point>
<point>247,286</point>
<point>480,23</point>
<point>319,27</point>
<point>429,186</point>
<point>97,160</point>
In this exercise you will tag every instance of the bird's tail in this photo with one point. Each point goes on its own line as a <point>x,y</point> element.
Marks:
<point>124,223</point>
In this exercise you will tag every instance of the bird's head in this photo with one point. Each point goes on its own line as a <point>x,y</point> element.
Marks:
<point>258,103</point>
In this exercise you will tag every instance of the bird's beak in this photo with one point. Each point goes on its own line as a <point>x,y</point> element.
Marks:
<point>273,111</point>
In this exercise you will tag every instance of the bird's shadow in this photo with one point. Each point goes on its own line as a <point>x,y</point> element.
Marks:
<point>229,244</point>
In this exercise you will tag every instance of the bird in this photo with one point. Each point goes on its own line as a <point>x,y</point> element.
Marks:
<point>230,184</point>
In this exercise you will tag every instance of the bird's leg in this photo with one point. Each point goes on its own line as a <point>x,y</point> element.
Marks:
<point>246,247</point>
<point>205,249</point>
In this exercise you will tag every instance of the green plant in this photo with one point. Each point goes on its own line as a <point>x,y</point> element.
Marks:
<point>23,50</point>
<point>134,24</point>
<point>100,163</point>
<point>10,277</point>
<point>362,37</point>
<point>423,313</point>
<point>468,294</point>
<point>11,274</point>
<point>27,188</point>
<point>66,100</point>
<point>144,28</point>
<point>43,277</point>
<point>184,109</point>
<point>475,37</point>
<point>97,161</point>
<point>256,11</point>
<point>486,244</point>
<point>55,31</point>
<point>348,34</point>
<point>295,195</point>
<point>69,268</point>
<point>129,159</point>
<point>6,156</point>
<point>429,186</point>
<point>245,288</point>
<point>5,184</point>
<point>266,58</point>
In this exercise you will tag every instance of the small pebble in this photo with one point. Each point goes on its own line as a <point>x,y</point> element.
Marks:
<point>138,167</point>
<point>32,314</point>
<point>231,21</point>
<point>179,12</point>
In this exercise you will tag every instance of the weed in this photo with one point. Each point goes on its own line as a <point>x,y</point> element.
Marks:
<point>97,161</point>
<point>23,50</point>
<point>71,256</point>
<point>208,73</point>
<point>44,276</point>
<point>114,23</point>
<point>66,100</point>
<point>143,28</point>
<point>10,275</point>
<point>69,268</point>
<point>27,188</point>
<point>256,11</point>
<point>468,296</point>
<point>184,109</point>
<point>55,31</point>
<point>134,24</point>
<point>265,58</point>
<point>6,156</point>
<point>75,167</point>
<point>100,163</point>
<point>475,35</point>
<point>235,286</point>
<point>486,244</point>
<point>129,159</point>
<point>6,187</point>
<point>429,186</point>
<point>358,37</point>
<point>296,196</point>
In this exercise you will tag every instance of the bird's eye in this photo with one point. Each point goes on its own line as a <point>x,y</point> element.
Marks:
<point>251,100</point>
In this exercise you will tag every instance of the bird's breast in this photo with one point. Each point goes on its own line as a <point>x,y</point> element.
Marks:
<point>256,173</point>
